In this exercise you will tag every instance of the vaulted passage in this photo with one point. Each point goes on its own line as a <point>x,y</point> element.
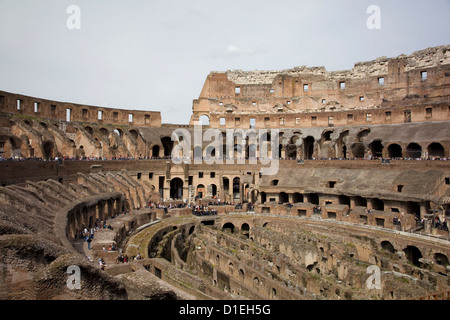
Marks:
<point>413,150</point>
<point>308,147</point>
<point>155,151</point>
<point>386,245</point>
<point>441,259</point>
<point>168,146</point>
<point>413,255</point>
<point>394,151</point>
<point>358,150</point>
<point>376,148</point>
<point>47,148</point>
<point>436,150</point>
<point>228,227</point>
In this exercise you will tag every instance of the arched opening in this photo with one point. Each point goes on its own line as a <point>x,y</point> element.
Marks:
<point>386,245</point>
<point>362,135</point>
<point>255,283</point>
<point>236,188</point>
<point>436,150</point>
<point>80,152</point>
<point>394,151</point>
<point>283,197</point>
<point>358,150</point>
<point>326,136</point>
<point>11,148</point>
<point>176,188</point>
<point>308,147</point>
<point>167,145</point>
<point>119,132</point>
<point>104,132</point>
<point>231,268</point>
<point>155,151</point>
<point>413,255</point>
<point>204,120</point>
<point>47,148</point>
<point>89,130</point>
<point>441,259</point>
<point>294,138</point>
<point>297,197</point>
<point>376,148</point>
<point>413,150</point>
<point>228,227</point>
<point>226,185</point>
<point>200,191</point>
<point>213,190</point>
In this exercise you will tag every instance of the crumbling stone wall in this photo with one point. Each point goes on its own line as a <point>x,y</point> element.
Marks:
<point>317,97</point>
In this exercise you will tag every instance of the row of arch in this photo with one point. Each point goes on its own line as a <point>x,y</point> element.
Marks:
<point>413,253</point>
<point>289,145</point>
<point>177,184</point>
<point>87,215</point>
<point>413,150</point>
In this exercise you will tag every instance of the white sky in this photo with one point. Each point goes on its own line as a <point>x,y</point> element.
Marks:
<point>155,55</point>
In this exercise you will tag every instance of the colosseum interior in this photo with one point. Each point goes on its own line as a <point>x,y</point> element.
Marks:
<point>362,183</point>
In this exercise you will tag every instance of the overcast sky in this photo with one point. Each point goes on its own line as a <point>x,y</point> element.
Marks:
<point>155,55</point>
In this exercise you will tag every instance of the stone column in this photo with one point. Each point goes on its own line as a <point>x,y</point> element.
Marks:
<point>369,205</point>
<point>166,193</point>
<point>352,203</point>
<point>427,225</point>
<point>283,151</point>
<point>186,193</point>
<point>109,208</point>
<point>92,216</point>
<point>423,210</point>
